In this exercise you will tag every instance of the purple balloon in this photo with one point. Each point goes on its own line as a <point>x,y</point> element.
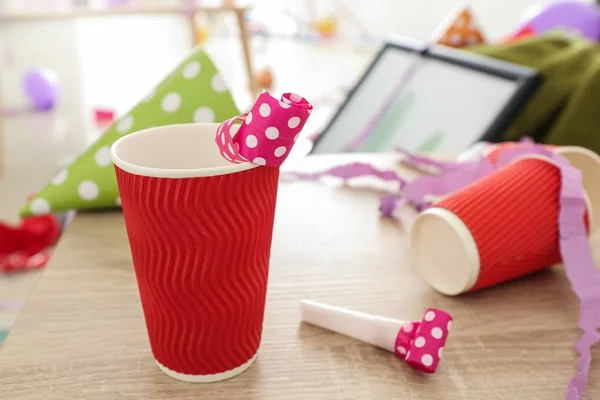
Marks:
<point>577,16</point>
<point>41,87</point>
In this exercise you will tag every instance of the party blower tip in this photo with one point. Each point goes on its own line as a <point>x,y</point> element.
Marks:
<point>419,343</point>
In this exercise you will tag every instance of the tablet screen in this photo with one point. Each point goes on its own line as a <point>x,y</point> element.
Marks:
<point>445,107</point>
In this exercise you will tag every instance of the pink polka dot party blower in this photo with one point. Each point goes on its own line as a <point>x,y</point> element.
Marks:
<point>267,133</point>
<point>199,205</point>
<point>419,343</point>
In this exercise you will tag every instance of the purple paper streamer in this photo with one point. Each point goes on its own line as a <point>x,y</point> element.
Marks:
<point>577,257</point>
<point>189,8</point>
<point>388,204</point>
<point>348,171</point>
<point>449,182</point>
<point>419,162</point>
<point>11,305</point>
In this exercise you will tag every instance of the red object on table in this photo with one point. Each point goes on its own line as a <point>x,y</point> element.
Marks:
<point>28,244</point>
<point>529,204</point>
<point>197,253</point>
<point>104,116</point>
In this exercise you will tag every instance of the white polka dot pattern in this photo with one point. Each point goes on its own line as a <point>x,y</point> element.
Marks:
<point>102,157</point>
<point>293,122</point>
<point>125,124</point>
<point>280,151</point>
<point>268,133</point>
<point>171,102</point>
<point>39,206</point>
<point>88,190</point>
<point>264,110</point>
<point>191,70</point>
<point>272,133</point>
<point>251,141</point>
<point>204,114</point>
<point>60,178</point>
<point>421,343</point>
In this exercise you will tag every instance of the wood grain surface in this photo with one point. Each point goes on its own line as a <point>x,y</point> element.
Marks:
<point>82,334</point>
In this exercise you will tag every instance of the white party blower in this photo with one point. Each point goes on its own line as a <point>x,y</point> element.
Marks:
<point>419,343</point>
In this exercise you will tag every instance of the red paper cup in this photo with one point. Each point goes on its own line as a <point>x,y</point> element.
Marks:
<point>499,228</point>
<point>200,233</point>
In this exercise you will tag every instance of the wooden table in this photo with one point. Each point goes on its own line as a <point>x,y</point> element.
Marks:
<point>82,335</point>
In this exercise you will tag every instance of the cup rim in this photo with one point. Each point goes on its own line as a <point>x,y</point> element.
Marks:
<point>437,277</point>
<point>175,173</point>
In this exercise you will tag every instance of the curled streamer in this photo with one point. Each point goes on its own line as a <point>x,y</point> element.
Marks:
<point>265,135</point>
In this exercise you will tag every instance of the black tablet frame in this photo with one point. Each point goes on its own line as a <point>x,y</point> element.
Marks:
<point>528,81</point>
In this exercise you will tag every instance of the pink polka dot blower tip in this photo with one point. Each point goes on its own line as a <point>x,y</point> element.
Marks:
<point>267,133</point>
<point>419,343</point>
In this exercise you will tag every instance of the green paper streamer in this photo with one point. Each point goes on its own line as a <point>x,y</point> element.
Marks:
<point>193,92</point>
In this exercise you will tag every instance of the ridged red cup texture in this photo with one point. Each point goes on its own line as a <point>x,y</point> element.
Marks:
<point>512,215</point>
<point>201,248</point>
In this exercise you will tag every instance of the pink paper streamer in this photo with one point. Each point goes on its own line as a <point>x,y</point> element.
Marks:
<point>267,133</point>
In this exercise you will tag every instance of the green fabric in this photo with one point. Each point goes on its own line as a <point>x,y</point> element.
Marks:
<point>193,92</point>
<point>565,109</point>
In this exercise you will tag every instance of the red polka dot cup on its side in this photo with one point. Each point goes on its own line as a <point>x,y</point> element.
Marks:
<point>200,231</point>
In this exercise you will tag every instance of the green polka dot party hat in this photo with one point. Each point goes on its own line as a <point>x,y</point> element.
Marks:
<point>193,92</point>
